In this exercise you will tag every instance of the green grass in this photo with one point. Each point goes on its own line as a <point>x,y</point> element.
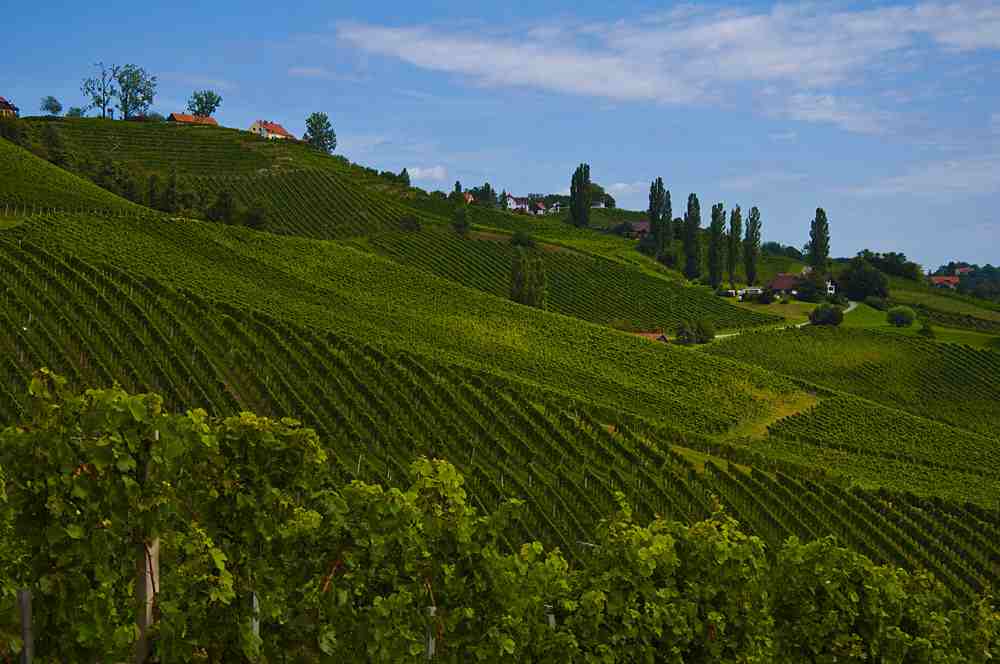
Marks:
<point>864,316</point>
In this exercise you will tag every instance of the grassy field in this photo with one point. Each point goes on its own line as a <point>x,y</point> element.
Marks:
<point>867,317</point>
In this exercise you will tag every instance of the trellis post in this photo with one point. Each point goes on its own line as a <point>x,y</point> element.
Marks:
<point>27,636</point>
<point>431,643</point>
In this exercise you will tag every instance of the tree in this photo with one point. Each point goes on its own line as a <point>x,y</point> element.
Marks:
<point>579,196</point>
<point>320,135</point>
<point>170,201</point>
<point>733,242</point>
<point>900,316</point>
<point>751,245</point>
<point>503,200</point>
<point>136,90</point>
<point>657,202</point>
<point>223,209</point>
<point>51,105</point>
<point>75,112</point>
<point>153,191</point>
<point>54,147</point>
<point>404,177</point>
<point>819,240</point>
<point>527,281</point>
<point>692,238</point>
<point>827,314</point>
<point>203,103</point>
<point>460,220</point>
<point>254,217</point>
<point>666,244</point>
<point>101,89</point>
<point>716,245</point>
<point>861,279</point>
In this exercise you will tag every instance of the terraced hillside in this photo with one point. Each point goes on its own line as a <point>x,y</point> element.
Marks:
<point>587,287</point>
<point>388,361</point>
<point>953,384</point>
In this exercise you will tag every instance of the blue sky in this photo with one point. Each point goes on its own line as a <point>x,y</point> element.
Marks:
<point>885,114</point>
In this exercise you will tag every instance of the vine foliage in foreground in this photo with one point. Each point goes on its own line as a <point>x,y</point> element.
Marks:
<point>242,505</point>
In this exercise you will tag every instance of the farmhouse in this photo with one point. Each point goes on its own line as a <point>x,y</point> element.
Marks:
<point>515,204</point>
<point>7,109</point>
<point>268,129</point>
<point>945,282</point>
<point>538,208</point>
<point>785,284</point>
<point>183,118</point>
<point>469,198</point>
<point>962,271</point>
<point>555,208</point>
<point>640,229</point>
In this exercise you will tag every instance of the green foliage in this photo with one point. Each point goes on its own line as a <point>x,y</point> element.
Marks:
<point>659,217</point>
<point>692,238</point>
<point>734,239</point>
<point>926,329</point>
<point>460,221</point>
<point>861,280</point>
<point>819,241</point>
<point>876,302</point>
<point>320,135</point>
<point>136,90</point>
<point>51,105</point>
<point>812,287</point>
<point>716,245</point>
<point>900,316</point>
<point>76,112</point>
<point>409,222</point>
<point>827,314</point>
<point>751,245</point>
<point>204,103</point>
<point>101,89</point>
<point>223,209</point>
<point>527,280</point>
<point>580,196</point>
<point>522,239</point>
<point>699,332</point>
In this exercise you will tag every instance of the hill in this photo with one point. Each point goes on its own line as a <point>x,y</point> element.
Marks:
<point>388,361</point>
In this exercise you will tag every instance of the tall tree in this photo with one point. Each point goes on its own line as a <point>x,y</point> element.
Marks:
<point>657,199</point>
<point>692,238</point>
<point>136,90</point>
<point>579,196</point>
<point>667,229</point>
<point>751,245</point>
<point>819,240</point>
<point>733,241</point>
<point>404,177</point>
<point>101,89</point>
<point>319,133</point>
<point>503,200</point>
<point>75,112</point>
<point>51,105</point>
<point>527,283</point>
<point>203,103</point>
<point>170,200</point>
<point>716,244</point>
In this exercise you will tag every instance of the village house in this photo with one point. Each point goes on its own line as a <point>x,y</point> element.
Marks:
<point>515,204</point>
<point>555,208</point>
<point>538,207</point>
<point>963,271</point>
<point>469,198</point>
<point>639,230</point>
<point>945,282</point>
<point>785,284</point>
<point>183,118</point>
<point>268,129</point>
<point>7,109</point>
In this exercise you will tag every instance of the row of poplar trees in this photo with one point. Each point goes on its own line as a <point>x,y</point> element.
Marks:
<point>725,247</point>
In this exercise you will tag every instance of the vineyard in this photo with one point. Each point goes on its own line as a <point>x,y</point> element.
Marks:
<point>593,289</point>
<point>953,384</point>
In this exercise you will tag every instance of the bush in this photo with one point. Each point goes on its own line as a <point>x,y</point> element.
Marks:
<point>926,329</point>
<point>460,220</point>
<point>901,316</point>
<point>879,303</point>
<point>409,222</point>
<point>827,314</point>
<point>522,239</point>
<point>700,332</point>
<point>861,280</point>
<point>704,331</point>
<point>685,334</point>
<point>767,297</point>
<point>838,299</point>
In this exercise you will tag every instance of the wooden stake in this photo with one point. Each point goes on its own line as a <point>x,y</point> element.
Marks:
<point>27,637</point>
<point>146,587</point>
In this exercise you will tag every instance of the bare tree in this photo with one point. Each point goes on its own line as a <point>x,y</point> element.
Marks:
<point>101,89</point>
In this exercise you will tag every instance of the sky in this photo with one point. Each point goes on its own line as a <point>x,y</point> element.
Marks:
<point>886,114</point>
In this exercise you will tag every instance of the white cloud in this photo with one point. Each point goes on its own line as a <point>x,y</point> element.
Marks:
<point>436,173</point>
<point>762,180</point>
<point>626,188</point>
<point>978,174</point>
<point>199,81</point>
<point>797,54</point>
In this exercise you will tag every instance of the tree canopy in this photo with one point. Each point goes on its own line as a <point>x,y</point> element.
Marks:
<point>203,103</point>
<point>580,196</point>
<point>692,238</point>
<point>819,240</point>
<point>136,90</point>
<point>51,105</point>
<point>320,135</point>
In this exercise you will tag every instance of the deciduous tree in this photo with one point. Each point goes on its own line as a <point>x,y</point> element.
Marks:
<point>320,135</point>
<point>716,244</point>
<point>657,202</point>
<point>51,105</point>
<point>819,240</point>
<point>204,103</point>
<point>692,238</point>
<point>751,245</point>
<point>136,90</point>
<point>101,89</point>
<point>75,112</point>
<point>579,196</point>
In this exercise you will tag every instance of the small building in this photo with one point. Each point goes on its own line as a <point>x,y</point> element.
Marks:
<point>945,282</point>
<point>640,229</point>
<point>831,287</point>
<point>597,204</point>
<point>785,284</point>
<point>469,198</point>
<point>538,208</point>
<point>271,130</point>
<point>555,208</point>
<point>962,271</point>
<point>184,118</point>
<point>515,204</point>
<point>7,109</point>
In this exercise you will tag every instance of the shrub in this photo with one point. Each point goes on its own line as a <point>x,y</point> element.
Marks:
<point>926,329</point>
<point>875,302</point>
<point>861,280</point>
<point>767,297</point>
<point>460,220</point>
<point>704,331</point>
<point>827,314</point>
<point>838,299</point>
<point>686,335</point>
<point>409,222</point>
<point>690,333</point>
<point>522,239</point>
<point>901,316</point>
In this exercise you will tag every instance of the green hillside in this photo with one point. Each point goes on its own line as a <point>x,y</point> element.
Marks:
<point>389,361</point>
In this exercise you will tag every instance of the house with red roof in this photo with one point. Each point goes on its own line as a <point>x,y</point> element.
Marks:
<point>784,284</point>
<point>945,282</point>
<point>7,109</point>
<point>962,271</point>
<point>184,118</point>
<point>639,229</point>
<point>268,129</point>
<point>469,198</point>
<point>538,207</point>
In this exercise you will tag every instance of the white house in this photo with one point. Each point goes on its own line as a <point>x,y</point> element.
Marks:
<point>515,204</point>
<point>268,129</point>
<point>556,208</point>
<point>597,204</point>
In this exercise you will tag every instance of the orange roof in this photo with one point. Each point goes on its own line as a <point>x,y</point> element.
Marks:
<point>784,282</point>
<point>274,128</point>
<point>192,119</point>
<point>951,281</point>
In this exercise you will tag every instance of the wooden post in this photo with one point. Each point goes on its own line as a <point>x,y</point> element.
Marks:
<point>146,587</point>
<point>550,615</point>
<point>431,634</point>
<point>27,637</point>
<point>255,613</point>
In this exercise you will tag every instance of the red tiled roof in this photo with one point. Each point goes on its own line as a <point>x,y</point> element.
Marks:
<point>951,281</point>
<point>641,226</point>
<point>274,128</point>
<point>784,282</point>
<point>192,119</point>
<point>964,270</point>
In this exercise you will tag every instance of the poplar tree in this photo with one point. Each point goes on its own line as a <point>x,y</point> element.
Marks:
<point>733,243</point>
<point>579,196</point>
<point>666,228</point>
<point>655,212</point>
<point>819,240</point>
<point>751,245</point>
<point>692,238</point>
<point>716,244</point>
